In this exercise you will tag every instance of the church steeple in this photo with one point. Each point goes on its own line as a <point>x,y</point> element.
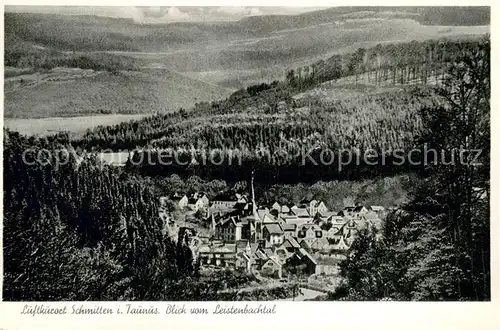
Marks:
<point>257,232</point>
<point>254,205</point>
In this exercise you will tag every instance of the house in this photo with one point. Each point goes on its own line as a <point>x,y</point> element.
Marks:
<point>370,220</point>
<point>198,201</point>
<point>301,262</point>
<point>341,244</point>
<point>258,258</point>
<point>243,262</point>
<point>243,245</point>
<point>321,207</point>
<point>305,245</point>
<point>320,244</point>
<point>290,244</point>
<point>288,230</point>
<point>359,210</point>
<point>273,233</point>
<point>229,230</point>
<point>221,255</point>
<point>323,217</point>
<point>309,232</point>
<point>313,206</point>
<point>301,212</point>
<point>284,209</point>
<point>276,206</point>
<point>180,200</point>
<point>334,232</point>
<point>297,216</point>
<point>226,201</point>
<point>353,211</point>
<point>336,219</point>
<point>273,267</point>
<point>292,220</point>
<point>265,216</point>
<point>242,198</point>
<point>376,208</point>
<point>282,253</point>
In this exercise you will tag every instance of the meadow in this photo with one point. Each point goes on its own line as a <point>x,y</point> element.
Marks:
<point>77,125</point>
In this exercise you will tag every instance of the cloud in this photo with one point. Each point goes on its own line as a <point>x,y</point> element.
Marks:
<point>175,14</point>
<point>164,14</point>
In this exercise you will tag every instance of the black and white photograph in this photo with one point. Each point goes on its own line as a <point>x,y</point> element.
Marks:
<point>265,154</point>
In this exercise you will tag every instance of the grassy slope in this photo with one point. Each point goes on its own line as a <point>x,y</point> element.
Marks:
<point>75,125</point>
<point>63,93</point>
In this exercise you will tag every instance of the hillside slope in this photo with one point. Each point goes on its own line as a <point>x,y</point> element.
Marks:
<point>71,92</point>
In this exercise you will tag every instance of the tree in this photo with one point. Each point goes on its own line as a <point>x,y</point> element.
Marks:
<point>437,246</point>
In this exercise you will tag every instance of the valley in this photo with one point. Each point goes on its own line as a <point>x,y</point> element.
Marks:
<point>248,158</point>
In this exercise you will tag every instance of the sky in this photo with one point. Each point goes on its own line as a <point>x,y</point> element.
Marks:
<point>166,14</point>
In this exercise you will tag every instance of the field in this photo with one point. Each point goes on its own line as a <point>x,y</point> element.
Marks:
<point>46,126</point>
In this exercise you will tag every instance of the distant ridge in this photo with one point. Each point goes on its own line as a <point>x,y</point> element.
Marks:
<point>104,33</point>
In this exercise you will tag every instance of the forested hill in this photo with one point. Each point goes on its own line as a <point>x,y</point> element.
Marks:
<point>76,231</point>
<point>87,33</point>
<point>437,246</point>
<point>378,108</point>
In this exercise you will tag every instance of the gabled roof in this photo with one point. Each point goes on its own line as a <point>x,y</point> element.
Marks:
<point>337,219</point>
<point>262,212</point>
<point>326,214</point>
<point>275,260</point>
<point>243,206</point>
<point>226,248</point>
<point>273,228</point>
<point>307,226</point>
<point>268,252</point>
<point>358,208</point>
<point>319,243</point>
<point>284,209</point>
<point>376,208</point>
<point>177,198</point>
<point>204,249</point>
<point>341,244</point>
<point>231,219</point>
<point>302,253</point>
<point>242,244</point>
<point>304,244</point>
<point>336,228</point>
<point>301,212</point>
<point>288,227</point>
<point>371,216</point>
<point>293,242</point>
<point>259,254</point>
<point>243,255</point>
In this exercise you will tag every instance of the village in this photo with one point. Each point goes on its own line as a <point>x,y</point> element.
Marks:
<point>275,241</point>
